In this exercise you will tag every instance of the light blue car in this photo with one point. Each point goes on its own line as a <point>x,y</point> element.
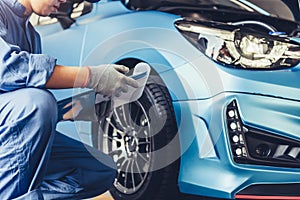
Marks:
<point>220,114</point>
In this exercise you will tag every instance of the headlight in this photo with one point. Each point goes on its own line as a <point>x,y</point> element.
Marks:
<point>240,46</point>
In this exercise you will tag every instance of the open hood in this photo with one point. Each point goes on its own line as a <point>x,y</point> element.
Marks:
<point>284,9</point>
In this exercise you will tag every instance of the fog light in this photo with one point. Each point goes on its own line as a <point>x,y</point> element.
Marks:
<point>238,151</point>
<point>263,150</point>
<point>233,126</point>
<point>235,138</point>
<point>250,145</point>
<point>231,113</point>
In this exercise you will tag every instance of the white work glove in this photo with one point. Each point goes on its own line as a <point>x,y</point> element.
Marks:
<point>83,108</point>
<point>78,108</point>
<point>109,80</point>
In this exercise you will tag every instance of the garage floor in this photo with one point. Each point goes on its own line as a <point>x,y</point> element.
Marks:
<point>104,196</point>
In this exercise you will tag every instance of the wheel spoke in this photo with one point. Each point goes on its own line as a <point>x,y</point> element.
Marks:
<point>137,167</point>
<point>145,143</point>
<point>116,130</point>
<point>119,118</point>
<point>108,137</point>
<point>139,170</point>
<point>132,175</point>
<point>126,172</point>
<point>137,114</point>
<point>121,163</point>
<point>126,114</point>
<point>142,157</point>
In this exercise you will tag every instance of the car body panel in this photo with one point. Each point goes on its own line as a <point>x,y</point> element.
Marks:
<point>200,90</point>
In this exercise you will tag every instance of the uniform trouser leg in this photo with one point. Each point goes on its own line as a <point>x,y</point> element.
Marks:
<point>27,127</point>
<point>36,162</point>
<point>76,171</point>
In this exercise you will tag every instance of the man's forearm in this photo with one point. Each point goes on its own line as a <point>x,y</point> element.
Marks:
<point>67,77</point>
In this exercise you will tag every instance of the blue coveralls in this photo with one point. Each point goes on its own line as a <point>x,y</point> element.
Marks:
<point>37,162</point>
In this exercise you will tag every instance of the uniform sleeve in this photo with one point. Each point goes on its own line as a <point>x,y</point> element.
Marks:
<point>19,69</point>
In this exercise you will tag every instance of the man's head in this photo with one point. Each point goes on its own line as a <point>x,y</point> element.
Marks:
<point>41,7</point>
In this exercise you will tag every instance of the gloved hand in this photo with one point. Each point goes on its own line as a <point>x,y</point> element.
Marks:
<point>109,80</point>
<point>79,107</point>
<point>84,108</point>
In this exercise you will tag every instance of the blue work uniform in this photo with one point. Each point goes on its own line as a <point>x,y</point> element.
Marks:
<point>37,162</point>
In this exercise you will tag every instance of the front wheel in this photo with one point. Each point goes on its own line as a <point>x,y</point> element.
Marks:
<point>142,139</point>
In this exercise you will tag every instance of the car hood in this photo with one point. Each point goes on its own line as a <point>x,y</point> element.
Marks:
<point>281,14</point>
<point>279,8</point>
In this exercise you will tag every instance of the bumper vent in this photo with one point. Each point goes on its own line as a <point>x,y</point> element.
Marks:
<point>253,146</point>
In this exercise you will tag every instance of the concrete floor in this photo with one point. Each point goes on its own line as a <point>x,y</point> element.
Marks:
<point>104,196</point>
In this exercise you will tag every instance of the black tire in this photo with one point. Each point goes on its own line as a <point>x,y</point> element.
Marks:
<point>142,139</point>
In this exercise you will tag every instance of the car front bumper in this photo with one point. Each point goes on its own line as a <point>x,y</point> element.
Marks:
<point>208,164</point>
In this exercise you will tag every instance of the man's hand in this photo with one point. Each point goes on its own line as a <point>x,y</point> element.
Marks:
<point>78,108</point>
<point>109,80</point>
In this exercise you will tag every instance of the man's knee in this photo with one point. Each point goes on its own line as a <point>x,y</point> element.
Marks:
<point>28,103</point>
<point>40,103</point>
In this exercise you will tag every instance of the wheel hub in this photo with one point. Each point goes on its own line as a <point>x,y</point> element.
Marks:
<point>131,144</point>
